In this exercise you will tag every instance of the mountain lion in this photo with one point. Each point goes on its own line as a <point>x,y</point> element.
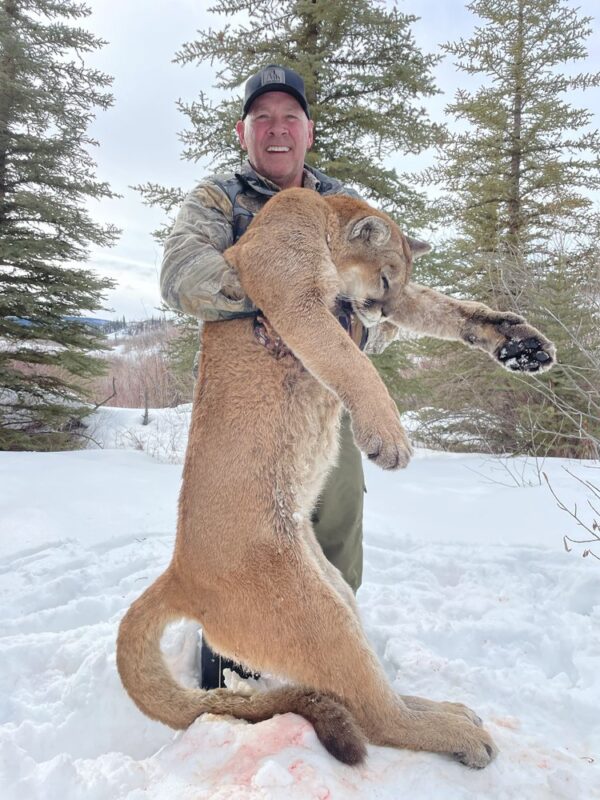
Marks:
<point>263,436</point>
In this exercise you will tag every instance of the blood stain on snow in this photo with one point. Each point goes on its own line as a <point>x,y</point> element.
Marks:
<point>274,736</point>
<point>305,774</point>
<point>511,723</point>
<point>300,770</point>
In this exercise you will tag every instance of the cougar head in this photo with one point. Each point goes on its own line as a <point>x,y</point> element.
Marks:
<point>374,263</point>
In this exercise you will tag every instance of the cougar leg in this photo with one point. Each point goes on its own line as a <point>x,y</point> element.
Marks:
<point>413,703</point>
<point>329,572</point>
<point>335,578</point>
<point>294,624</point>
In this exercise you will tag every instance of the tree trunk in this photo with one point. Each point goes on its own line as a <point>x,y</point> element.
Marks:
<point>515,221</point>
<point>8,68</point>
<point>308,41</point>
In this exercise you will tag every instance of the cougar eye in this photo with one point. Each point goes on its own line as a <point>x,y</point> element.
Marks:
<point>385,283</point>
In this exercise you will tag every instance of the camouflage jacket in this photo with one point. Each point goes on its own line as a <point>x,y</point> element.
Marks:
<point>212,217</point>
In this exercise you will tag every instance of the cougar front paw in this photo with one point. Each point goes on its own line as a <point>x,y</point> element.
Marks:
<point>526,350</point>
<point>384,442</point>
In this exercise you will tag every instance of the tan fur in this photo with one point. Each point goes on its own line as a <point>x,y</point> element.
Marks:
<point>263,436</point>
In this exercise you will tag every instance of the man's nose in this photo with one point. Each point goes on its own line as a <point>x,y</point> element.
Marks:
<point>278,126</point>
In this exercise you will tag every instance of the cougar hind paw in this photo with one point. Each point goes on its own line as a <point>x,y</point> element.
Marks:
<point>462,710</point>
<point>477,758</point>
<point>480,752</point>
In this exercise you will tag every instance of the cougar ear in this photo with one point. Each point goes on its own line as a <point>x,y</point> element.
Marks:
<point>417,247</point>
<point>371,229</point>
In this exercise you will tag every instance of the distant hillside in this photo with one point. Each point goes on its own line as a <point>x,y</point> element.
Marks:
<point>91,321</point>
<point>118,327</point>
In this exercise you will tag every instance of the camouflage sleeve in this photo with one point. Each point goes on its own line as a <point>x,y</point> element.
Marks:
<point>350,192</point>
<point>194,273</point>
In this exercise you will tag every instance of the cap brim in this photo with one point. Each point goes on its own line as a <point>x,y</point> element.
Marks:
<point>274,87</point>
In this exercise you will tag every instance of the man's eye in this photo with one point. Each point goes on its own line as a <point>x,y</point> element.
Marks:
<point>385,283</point>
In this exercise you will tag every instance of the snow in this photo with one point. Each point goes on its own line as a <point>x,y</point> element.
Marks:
<point>468,594</point>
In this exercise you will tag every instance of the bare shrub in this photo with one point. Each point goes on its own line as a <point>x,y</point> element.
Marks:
<point>140,367</point>
<point>592,526</point>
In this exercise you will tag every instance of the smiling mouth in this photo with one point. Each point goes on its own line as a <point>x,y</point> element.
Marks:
<point>276,149</point>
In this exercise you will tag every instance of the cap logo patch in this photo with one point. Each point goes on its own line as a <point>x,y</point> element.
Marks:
<point>272,75</point>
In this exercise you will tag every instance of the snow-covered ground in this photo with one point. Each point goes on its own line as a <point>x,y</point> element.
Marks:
<point>468,594</point>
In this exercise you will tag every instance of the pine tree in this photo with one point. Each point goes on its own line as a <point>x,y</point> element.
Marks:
<point>518,180</point>
<point>47,97</point>
<point>364,77</point>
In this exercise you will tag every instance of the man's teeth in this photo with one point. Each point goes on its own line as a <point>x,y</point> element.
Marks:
<point>273,149</point>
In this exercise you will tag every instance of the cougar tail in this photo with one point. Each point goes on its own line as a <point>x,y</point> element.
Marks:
<point>153,689</point>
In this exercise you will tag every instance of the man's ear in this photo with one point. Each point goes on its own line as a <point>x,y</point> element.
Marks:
<point>311,134</point>
<point>240,129</point>
<point>417,247</point>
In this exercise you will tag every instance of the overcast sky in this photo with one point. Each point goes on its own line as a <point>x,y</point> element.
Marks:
<point>138,136</point>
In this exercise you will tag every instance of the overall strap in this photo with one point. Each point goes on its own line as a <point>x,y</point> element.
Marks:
<point>246,200</point>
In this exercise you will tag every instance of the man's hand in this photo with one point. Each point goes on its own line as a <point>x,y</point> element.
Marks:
<point>231,286</point>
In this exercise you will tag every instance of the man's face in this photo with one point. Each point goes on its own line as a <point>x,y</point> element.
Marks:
<point>276,134</point>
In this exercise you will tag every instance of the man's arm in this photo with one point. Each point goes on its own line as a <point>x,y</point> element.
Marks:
<point>195,278</point>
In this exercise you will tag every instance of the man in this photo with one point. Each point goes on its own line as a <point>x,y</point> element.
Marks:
<point>276,131</point>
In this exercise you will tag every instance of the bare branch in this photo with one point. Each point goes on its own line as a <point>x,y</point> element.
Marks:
<point>595,526</point>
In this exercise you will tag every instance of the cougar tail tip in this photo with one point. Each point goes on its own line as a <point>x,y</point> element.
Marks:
<point>336,728</point>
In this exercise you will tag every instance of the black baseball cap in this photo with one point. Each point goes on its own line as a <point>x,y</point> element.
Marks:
<point>275,78</point>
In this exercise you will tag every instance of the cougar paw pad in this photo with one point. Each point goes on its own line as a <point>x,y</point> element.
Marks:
<point>525,355</point>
